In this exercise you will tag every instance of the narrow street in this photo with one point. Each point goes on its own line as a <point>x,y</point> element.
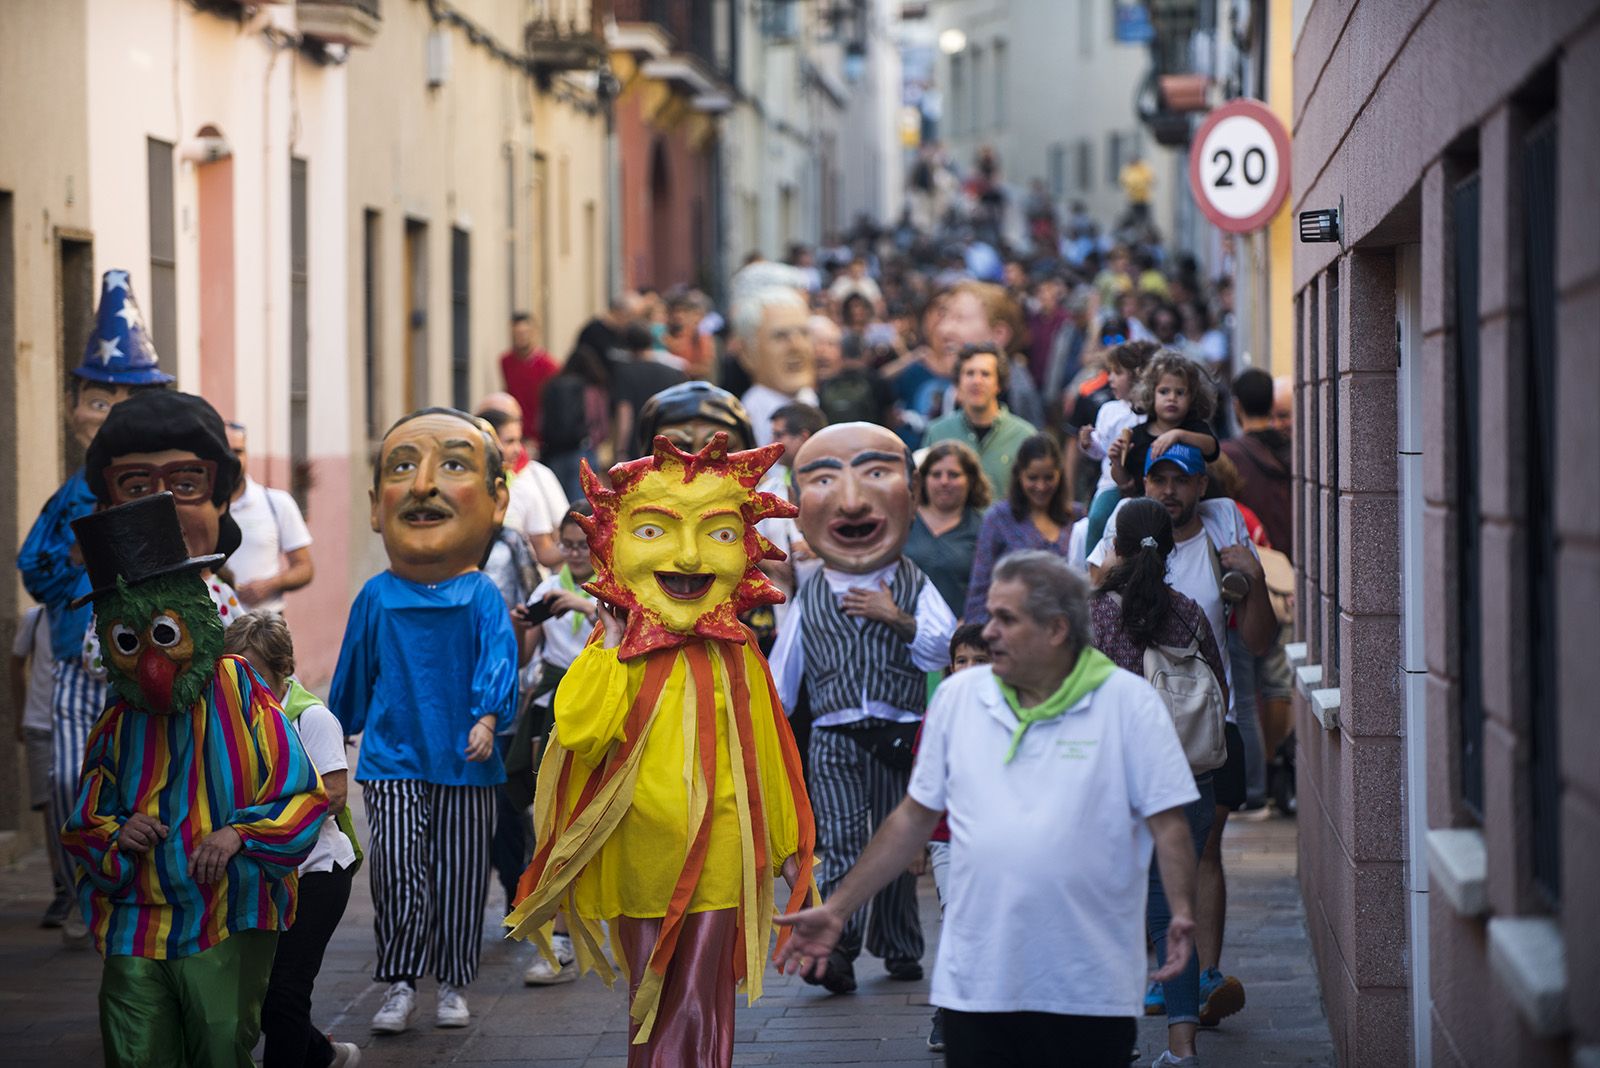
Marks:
<point>48,1012</point>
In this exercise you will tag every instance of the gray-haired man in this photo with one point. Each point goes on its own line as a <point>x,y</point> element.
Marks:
<point>1059,773</point>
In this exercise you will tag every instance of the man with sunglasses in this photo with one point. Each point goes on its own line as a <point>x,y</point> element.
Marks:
<point>274,554</point>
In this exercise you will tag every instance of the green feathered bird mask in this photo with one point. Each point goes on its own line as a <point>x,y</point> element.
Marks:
<point>161,639</point>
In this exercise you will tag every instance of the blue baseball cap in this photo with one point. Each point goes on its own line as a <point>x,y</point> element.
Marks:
<point>1187,458</point>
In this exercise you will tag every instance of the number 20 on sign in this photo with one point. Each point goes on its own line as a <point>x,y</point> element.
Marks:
<point>1239,166</point>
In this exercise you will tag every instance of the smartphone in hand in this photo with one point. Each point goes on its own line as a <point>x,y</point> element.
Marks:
<point>538,610</point>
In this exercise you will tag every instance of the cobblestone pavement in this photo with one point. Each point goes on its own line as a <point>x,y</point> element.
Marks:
<point>48,1017</point>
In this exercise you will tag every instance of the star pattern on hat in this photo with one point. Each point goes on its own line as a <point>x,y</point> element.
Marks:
<point>116,280</point>
<point>129,313</point>
<point>107,350</point>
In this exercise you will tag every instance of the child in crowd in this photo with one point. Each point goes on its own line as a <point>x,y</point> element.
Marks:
<point>968,649</point>
<point>560,637</point>
<point>263,640</point>
<point>1178,401</point>
<point>32,683</point>
<point>1124,364</point>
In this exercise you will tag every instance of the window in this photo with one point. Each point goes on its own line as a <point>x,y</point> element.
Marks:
<point>1469,552</point>
<point>1302,528</point>
<point>1058,171</point>
<point>1315,474</point>
<point>1085,165</point>
<point>416,387</point>
<point>163,311</point>
<point>1086,27</point>
<point>975,103</point>
<point>999,83</point>
<point>1114,160</point>
<point>1539,247</point>
<point>372,364</point>
<point>1331,646</point>
<point>958,94</point>
<point>299,331</point>
<point>460,318</point>
<point>564,204</point>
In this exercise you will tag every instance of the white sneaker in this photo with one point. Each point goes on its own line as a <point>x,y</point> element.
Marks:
<point>395,1015</point>
<point>345,1055</point>
<point>542,973</point>
<point>451,1010</point>
<point>74,931</point>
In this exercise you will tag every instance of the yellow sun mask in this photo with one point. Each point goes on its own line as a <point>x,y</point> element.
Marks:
<point>674,542</point>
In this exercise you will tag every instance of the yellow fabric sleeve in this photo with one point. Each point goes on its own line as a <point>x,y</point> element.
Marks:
<point>592,704</point>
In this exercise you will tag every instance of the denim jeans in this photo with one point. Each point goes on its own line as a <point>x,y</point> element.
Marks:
<point>1183,993</point>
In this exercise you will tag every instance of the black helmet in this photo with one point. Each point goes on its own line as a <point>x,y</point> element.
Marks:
<point>688,401</point>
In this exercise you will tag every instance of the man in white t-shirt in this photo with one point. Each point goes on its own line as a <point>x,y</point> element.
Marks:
<point>1210,541</point>
<point>274,553</point>
<point>32,680</point>
<point>1060,773</point>
<point>537,500</point>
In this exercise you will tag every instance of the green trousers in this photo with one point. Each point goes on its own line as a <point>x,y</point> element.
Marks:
<point>202,1011</point>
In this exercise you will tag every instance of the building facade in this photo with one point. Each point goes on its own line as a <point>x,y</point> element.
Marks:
<point>1448,530</point>
<point>203,150</point>
<point>1047,85</point>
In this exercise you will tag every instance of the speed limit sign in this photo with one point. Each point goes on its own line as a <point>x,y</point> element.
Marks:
<point>1239,166</point>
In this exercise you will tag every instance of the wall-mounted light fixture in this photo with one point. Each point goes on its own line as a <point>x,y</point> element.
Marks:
<point>1323,225</point>
<point>952,41</point>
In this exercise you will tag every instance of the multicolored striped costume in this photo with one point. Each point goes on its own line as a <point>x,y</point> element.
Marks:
<point>233,761</point>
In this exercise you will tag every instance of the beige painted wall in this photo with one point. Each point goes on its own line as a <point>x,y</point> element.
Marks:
<point>469,153</point>
<point>43,96</point>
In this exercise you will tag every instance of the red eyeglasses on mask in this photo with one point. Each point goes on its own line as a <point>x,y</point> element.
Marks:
<point>189,481</point>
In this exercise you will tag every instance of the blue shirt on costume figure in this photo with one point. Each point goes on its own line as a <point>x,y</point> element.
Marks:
<point>48,573</point>
<point>419,666</point>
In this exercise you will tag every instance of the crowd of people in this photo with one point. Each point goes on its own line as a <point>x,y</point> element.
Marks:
<point>1024,471</point>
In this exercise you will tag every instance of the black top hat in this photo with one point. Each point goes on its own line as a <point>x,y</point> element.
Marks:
<point>134,542</point>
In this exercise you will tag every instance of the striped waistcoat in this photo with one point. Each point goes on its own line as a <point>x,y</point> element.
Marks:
<point>845,657</point>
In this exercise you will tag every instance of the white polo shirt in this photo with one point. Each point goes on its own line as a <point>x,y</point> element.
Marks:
<point>1049,854</point>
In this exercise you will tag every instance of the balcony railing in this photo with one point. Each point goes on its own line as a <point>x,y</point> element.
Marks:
<point>564,35</point>
<point>348,22</point>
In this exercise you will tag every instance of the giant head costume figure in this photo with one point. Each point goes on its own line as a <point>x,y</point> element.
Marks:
<point>674,542</point>
<point>163,440</point>
<point>157,624</point>
<point>854,482</point>
<point>771,319</point>
<point>438,494</point>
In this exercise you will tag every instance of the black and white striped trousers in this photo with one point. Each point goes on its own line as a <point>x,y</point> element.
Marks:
<point>851,793</point>
<point>429,863</point>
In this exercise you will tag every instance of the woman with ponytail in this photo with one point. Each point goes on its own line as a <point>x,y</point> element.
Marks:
<point>1133,609</point>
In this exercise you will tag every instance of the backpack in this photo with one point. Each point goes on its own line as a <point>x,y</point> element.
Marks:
<point>1193,695</point>
<point>563,414</point>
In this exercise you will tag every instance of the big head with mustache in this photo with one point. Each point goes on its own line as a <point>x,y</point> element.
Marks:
<point>854,483</point>
<point>438,494</point>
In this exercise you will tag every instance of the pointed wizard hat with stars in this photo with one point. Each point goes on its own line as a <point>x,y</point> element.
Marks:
<point>119,350</point>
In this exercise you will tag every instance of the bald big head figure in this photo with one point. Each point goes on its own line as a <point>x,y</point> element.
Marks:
<point>854,485</point>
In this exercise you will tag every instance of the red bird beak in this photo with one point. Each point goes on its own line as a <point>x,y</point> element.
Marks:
<point>156,673</point>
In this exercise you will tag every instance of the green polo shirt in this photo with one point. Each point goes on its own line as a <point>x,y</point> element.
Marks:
<point>998,450</point>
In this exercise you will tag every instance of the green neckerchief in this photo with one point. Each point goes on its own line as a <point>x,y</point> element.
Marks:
<point>1092,669</point>
<point>570,584</point>
<point>296,701</point>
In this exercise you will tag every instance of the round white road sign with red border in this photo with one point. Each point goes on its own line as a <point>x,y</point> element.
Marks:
<point>1239,166</point>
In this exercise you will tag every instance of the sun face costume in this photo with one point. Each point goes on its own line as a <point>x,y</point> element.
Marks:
<point>672,795</point>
